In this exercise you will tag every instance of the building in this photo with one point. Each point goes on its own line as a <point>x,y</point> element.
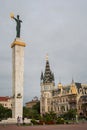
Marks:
<point>6,102</point>
<point>31,103</point>
<point>61,98</point>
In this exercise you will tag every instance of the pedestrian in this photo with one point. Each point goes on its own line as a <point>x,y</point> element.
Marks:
<point>18,121</point>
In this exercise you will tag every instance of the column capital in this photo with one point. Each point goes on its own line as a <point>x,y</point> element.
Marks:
<point>18,42</point>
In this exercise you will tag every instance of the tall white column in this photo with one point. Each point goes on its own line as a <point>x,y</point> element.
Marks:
<point>17,77</point>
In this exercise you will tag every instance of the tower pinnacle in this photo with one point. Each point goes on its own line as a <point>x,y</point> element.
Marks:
<point>47,76</point>
<point>46,57</point>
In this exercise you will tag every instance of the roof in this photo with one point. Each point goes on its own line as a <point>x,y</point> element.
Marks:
<point>48,76</point>
<point>33,101</point>
<point>4,98</point>
<point>78,85</point>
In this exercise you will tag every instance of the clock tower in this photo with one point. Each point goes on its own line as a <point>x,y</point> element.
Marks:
<point>47,85</point>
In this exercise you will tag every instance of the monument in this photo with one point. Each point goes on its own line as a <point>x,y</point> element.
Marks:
<point>17,71</point>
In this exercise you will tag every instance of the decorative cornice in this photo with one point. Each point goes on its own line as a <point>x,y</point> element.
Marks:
<point>18,42</point>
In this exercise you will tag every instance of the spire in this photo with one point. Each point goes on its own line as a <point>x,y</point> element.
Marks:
<point>72,80</point>
<point>48,75</point>
<point>46,57</point>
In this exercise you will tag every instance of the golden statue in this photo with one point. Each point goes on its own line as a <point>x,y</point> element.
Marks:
<point>18,26</point>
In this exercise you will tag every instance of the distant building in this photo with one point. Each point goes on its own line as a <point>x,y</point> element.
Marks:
<point>6,102</point>
<point>61,98</point>
<point>31,103</point>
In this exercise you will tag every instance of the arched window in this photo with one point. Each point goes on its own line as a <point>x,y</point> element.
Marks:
<point>80,90</point>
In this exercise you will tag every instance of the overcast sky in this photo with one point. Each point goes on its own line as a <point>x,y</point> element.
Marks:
<point>56,27</point>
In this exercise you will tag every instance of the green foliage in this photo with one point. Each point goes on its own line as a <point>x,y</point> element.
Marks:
<point>26,112</point>
<point>71,114</point>
<point>5,112</point>
<point>32,113</point>
<point>60,121</point>
<point>37,107</point>
<point>34,122</point>
<point>49,118</point>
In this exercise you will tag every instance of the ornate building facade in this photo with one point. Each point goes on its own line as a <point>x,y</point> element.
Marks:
<point>61,99</point>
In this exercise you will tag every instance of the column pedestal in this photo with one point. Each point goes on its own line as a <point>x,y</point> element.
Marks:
<point>17,77</point>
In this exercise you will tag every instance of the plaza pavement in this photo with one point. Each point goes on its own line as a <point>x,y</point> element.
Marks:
<point>81,126</point>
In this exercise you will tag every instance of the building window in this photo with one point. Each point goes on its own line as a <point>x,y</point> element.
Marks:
<point>67,108</point>
<point>58,108</point>
<point>80,90</point>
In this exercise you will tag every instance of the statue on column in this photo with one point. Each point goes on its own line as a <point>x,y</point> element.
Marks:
<point>18,25</point>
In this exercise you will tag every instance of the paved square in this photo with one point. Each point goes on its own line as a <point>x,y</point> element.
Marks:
<point>46,127</point>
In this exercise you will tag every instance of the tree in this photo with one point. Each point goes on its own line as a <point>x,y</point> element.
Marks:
<point>71,114</point>
<point>5,112</point>
<point>37,107</point>
<point>25,112</point>
<point>33,113</point>
<point>50,117</point>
